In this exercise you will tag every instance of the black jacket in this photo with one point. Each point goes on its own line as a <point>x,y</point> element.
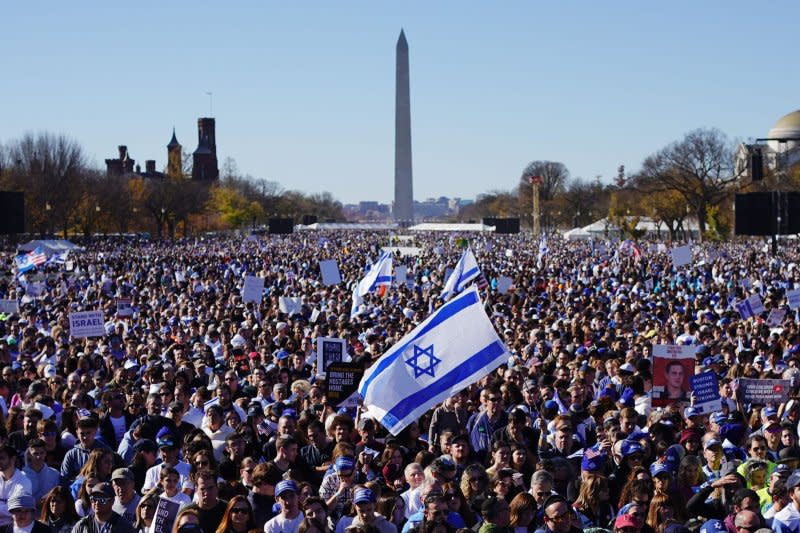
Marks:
<point>88,525</point>
<point>38,527</point>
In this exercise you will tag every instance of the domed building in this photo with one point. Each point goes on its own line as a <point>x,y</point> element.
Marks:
<point>780,150</point>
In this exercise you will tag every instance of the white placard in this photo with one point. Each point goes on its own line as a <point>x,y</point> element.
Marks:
<point>503,284</point>
<point>794,298</point>
<point>509,253</point>
<point>290,306</point>
<point>9,306</point>
<point>314,316</point>
<point>253,289</point>
<point>400,274</point>
<point>681,255</point>
<point>330,350</point>
<point>180,277</point>
<point>124,307</point>
<point>756,304</point>
<point>329,269</point>
<point>86,324</point>
<point>776,317</point>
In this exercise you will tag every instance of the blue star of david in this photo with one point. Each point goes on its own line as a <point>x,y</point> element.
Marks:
<point>414,361</point>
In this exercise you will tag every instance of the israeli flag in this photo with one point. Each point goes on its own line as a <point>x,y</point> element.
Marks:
<point>452,349</point>
<point>24,263</point>
<point>380,273</point>
<point>466,270</point>
<point>542,249</point>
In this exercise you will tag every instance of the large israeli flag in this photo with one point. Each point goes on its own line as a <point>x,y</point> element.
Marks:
<point>452,349</point>
<point>466,270</point>
<point>380,273</point>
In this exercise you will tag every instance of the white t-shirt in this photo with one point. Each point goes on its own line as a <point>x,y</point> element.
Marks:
<point>153,475</point>
<point>279,524</point>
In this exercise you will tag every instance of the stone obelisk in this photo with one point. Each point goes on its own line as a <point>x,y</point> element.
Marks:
<point>403,209</point>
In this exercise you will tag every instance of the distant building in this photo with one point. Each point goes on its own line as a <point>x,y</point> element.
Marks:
<point>780,151</point>
<point>204,159</point>
<point>174,158</point>
<point>122,165</point>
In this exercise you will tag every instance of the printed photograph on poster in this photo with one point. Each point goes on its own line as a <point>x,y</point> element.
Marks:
<point>672,367</point>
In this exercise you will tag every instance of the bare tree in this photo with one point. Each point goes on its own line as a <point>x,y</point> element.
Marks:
<point>51,170</point>
<point>554,177</point>
<point>700,167</point>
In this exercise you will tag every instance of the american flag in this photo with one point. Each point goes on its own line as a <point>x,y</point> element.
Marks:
<point>38,257</point>
<point>481,281</point>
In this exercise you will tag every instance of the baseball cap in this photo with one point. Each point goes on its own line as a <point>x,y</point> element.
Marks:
<point>630,447</point>
<point>712,442</point>
<point>103,489</point>
<point>769,412</point>
<point>50,371</point>
<point>593,463</point>
<point>627,520</point>
<point>712,526</point>
<point>658,468</point>
<point>286,485</point>
<point>691,411</point>
<point>719,418</point>
<point>122,473</point>
<point>363,495</point>
<point>344,463</point>
<point>794,480</point>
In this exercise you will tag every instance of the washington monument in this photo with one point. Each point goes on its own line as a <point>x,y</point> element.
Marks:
<point>403,209</point>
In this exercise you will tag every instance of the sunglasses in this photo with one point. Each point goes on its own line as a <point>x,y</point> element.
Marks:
<point>240,510</point>
<point>100,500</point>
<point>492,399</point>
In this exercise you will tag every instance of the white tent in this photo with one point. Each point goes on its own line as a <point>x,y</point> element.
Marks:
<point>577,234</point>
<point>343,226</point>
<point>49,246</point>
<point>436,226</point>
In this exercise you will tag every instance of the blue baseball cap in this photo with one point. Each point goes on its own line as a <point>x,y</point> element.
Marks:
<point>719,418</point>
<point>659,468</point>
<point>344,463</point>
<point>594,463</point>
<point>286,485</point>
<point>691,411</point>
<point>712,526</point>
<point>363,496</point>
<point>630,447</point>
<point>770,412</point>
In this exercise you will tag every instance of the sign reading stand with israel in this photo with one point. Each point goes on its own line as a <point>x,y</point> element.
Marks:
<point>86,324</point>
<point>452,349</point>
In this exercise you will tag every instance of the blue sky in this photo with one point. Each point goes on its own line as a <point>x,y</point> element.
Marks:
<point>303,93</point>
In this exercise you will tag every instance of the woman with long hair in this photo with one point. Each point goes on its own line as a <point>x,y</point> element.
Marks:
<point>661,510</point>
<point>474,483</point>
<point>82,505</point>
<point>690,476</point>
<point>238,517</point>
<point>393,508</point>
<point>100,463</point>
<point>146,511</point>
<point>188,517</point>
<point>592,504</point>
<point>144,458</point>
<point>456,503</point>
<point>58,510</point>
<point>14,419</point>
<point>69,425</point>
<point>523,512</point>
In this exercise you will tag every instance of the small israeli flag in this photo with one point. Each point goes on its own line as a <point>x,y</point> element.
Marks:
<point>380,273</point>
<point>466,270</point>
<point>452,349</point>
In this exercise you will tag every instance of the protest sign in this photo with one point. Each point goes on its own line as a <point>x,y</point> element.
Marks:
<point>329,269</point>
<point>750,307</point>
<point>400,273</point>
<point>290,306</point>
<point>9,306</point>
<point>762,391</point>
<point>124,307</point>
<point>706,392</point>
<point>503,284</point>
<point>672,366</point>
<point>330,350</point>
<point>253,289</point>
<point>341,381</point>
<point>649,285</point>
<point>681,255</point>
<point>314,316</point>
<point>166,512</point>
<point>776,317</point>
<point>794,298</point>
<point>86,324</point>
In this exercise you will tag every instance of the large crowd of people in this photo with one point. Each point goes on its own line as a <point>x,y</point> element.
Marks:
<point>198,412</point>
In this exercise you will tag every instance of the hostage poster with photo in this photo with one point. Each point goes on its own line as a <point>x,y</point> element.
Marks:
<point>672,367</point>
